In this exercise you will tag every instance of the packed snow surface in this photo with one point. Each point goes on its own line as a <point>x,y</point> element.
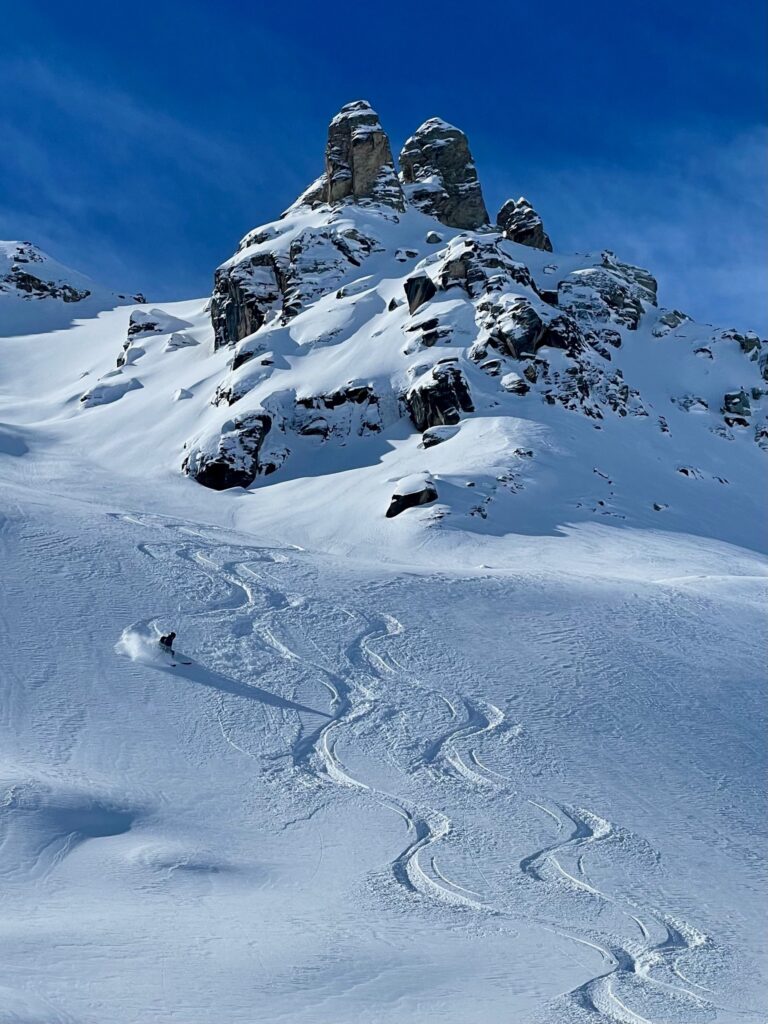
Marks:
<point>446,766</point>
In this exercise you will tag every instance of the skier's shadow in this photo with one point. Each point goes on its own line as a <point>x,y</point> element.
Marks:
<point>205,677</point>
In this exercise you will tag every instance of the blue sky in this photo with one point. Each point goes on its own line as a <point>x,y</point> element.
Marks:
<point>142,140</point>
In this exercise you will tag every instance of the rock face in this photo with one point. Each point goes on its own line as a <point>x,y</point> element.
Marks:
<point>229,459</point>
<point>439,397</point>
<point>243,296</point>
<point>439,176</point>
<point>358,159</point>
<point>279,279</point>
<point>520,223</point>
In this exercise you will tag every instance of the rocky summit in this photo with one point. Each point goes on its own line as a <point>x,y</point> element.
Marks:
<point>384,313</point>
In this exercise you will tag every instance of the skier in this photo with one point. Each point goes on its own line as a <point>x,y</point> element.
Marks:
<point>166,642</point>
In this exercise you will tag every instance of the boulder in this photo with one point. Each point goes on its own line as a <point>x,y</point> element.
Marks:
<point>439,176</point>
<point>669,320</point>
<point>229,458</point>
<point>419,289</point>
<point>418,489</point>
<point>520,223</point>
<point>736,408</point>
<point>439,397</point>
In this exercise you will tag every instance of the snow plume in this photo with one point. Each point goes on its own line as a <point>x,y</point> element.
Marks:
<point>141,642</point>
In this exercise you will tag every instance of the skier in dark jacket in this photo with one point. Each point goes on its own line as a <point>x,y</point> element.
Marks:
<point>166,642</point>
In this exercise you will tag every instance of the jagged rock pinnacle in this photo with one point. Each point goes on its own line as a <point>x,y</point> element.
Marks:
<point>439,175</point>
<point>358,162</point>
<point>521,223</point>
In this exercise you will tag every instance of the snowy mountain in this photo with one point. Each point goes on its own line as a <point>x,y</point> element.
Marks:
<point>461,537</point>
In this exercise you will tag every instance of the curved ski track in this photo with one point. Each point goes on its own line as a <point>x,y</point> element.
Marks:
<point>355,695</point>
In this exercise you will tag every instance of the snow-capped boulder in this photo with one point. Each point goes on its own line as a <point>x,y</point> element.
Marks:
<point>109,389</point>
<point>439,176</point>
<point>229,457</point>
<point>179,340</point>
<point>411,491</point>
<point>439,397</point>
<point>519,222</point>
<point>437,435</point>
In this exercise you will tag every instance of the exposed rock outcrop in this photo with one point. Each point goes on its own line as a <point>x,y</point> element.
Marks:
<point>613,292</point>
<point>419,289</point>
<point>24,269</point>
<point>440,178</point>
<point>520,223</point>
<point>480,266</point>
<point>352,409</point>
<point>737,408</point>
<point>244,294</point>
<point>229,458</point>
<point>439,397</point>
<point>282,279</point>
<point>519,328</point>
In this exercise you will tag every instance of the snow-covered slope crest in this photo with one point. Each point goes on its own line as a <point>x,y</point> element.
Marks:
<point>368,335</point>
<point>28,274</point>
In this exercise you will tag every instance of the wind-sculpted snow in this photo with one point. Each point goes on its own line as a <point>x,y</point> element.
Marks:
<point>644,951</point>
<point>330,784</point>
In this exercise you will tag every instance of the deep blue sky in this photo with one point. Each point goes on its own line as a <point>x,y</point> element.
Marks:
<point>142,140</point>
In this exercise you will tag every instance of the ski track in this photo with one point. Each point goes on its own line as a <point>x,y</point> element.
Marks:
<point>357,694</point>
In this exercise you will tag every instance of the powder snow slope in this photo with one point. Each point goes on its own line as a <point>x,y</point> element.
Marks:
<point>494,757</point>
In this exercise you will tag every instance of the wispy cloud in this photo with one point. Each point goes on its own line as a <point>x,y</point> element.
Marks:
<point>693,208</point>
<point>89,169</point>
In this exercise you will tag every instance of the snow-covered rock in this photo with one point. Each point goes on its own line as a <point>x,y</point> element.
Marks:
<point>519,222</point>
<point>31,274</point>
<point>228,457</point>
<point>439,397</point>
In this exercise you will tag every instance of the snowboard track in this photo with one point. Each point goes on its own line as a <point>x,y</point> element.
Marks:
<point>359,694</point>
